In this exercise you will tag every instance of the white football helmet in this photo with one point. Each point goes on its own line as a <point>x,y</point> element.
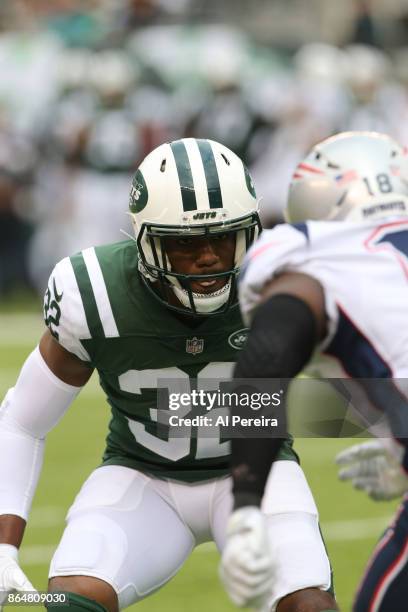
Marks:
<point>352,175</point>
<point>190,188</point>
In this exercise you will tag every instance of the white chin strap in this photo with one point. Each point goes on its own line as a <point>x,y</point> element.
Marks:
<point>204,302</point>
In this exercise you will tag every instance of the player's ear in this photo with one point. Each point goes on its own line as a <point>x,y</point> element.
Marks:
<point>304,287</point>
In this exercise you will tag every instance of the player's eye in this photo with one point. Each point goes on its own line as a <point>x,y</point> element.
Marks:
<point>220,237</point>
<point>184,241</point>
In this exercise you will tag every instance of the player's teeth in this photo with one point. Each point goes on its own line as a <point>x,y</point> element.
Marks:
<point>207,283</point>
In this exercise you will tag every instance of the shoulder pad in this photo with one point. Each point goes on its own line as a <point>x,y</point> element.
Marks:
<point>283,247</point>
<point>64,314</point>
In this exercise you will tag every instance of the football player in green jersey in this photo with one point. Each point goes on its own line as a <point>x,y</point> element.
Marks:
<point>162,306</point>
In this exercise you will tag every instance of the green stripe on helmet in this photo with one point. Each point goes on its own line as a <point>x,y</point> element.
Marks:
<point>211,173</point>
<point>87,296</point>
<point>185,176</point>
<point>249,182</point>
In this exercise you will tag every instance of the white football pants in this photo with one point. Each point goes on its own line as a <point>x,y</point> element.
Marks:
<point>134,531</point>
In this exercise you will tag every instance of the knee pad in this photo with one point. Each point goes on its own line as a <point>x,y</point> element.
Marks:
<point>77,603</point>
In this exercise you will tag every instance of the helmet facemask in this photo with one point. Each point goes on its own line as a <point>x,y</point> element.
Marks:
<point>165,282</point>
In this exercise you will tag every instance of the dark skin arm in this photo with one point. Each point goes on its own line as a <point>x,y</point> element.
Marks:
<point>303,287</point>
<point>73,372</point>
<point>70,370</point>
<point>310,291</point>
<point>286,327</point>
<point>62,363</point>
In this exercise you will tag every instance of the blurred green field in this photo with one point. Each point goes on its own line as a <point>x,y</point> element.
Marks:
<point>351,523</point>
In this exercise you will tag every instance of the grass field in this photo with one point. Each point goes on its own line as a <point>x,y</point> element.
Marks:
<point>350,522</point>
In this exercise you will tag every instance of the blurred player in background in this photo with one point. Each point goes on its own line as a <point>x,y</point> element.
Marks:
<point>17,170</point>
<point>161,306</point>
<point>334,284</point>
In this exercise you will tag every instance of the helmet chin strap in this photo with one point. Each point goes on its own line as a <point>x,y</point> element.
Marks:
<point>204,302</point>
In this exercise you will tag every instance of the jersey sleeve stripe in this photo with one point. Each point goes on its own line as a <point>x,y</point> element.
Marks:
<point>68,322</point>
<point>88,299</point>
<point>302,227</point>
<point>101,294</point>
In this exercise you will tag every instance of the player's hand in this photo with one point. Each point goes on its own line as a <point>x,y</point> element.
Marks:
<point>12,577</point>
<point>372,468</point>
<point>246,566</point>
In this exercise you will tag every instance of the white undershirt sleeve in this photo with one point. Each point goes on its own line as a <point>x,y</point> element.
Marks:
<point>29,411</point>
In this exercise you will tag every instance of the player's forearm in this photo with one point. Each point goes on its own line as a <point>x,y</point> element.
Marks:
<point>250,465</point>
<point>21,459</point>
<point>280,343</point>
<point>27,414</point>
<point>11,529</point>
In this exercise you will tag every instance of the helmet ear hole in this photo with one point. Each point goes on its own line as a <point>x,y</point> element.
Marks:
<point>163,165</point>
<point>225,158</point>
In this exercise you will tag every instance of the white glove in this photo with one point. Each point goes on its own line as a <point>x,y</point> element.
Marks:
<point>12,578</point>
<point>372,468</point>
<point>246,565</point>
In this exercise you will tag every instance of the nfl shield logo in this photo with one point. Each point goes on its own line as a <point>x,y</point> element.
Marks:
<point>194,346</point>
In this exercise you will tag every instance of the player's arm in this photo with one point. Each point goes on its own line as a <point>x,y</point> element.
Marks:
<point>50,379</point>
<point>286,326</point>
<point>68,369</point>
<point>65,365</point>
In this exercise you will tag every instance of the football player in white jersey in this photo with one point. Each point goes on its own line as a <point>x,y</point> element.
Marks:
<point>332,283</point>
<point>161,305</point>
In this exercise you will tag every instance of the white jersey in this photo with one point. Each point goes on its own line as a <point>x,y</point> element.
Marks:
<point>363,270</point>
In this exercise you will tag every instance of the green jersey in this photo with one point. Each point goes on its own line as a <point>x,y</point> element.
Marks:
<point>98,308</point>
